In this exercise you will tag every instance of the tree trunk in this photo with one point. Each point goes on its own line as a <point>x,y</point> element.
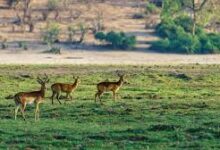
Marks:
<point>194,18</point>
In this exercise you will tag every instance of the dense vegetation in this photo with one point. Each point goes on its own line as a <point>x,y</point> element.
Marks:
<point>177,37</point>
<point>182,33</point>
<point>158,109</point>
<point>117,40</point>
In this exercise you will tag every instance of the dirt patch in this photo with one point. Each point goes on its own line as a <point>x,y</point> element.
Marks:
<point>105,57</point>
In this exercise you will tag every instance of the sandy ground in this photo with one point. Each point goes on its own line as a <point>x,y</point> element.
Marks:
<point>107,57</point>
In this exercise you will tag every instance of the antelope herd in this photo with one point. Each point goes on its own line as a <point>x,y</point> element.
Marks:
<point>36,97</point>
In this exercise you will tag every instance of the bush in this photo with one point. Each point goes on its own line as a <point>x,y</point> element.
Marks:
<point>55,50</point>
<point>179,39</point>
<point>4,44</point>
<point>185,22</point>
<point>117,39</point>
<point>151,9</point>
<point>100,36</point>
<point>129,42</point>
<point>23,45</point>
<point>161,45</point>
<point>51,35</point>
<point>215,39</point>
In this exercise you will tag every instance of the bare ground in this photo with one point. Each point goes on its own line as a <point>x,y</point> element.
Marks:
<point>106,57</point>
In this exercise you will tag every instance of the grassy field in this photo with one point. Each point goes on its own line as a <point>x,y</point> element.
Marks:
<point>161,107</point>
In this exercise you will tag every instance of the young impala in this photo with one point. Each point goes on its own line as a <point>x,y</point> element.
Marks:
<point>109,86</point>
<point>67,88</point>
<point>23,98</point>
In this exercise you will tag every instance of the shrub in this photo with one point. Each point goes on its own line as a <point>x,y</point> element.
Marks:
<point>161,45</point>
<point>128,42</point>
<point>23,45</point>
<point>114,38</point>
<point>51,35</point>
<point>72,33</point>
<point>164,29</point>
<point>100,36</point>
<point>55,50</point>
<point>185,22</point>
<point>4,44</point>
<point>184,43</point>
<point>117,39</point>
<point>215,39</point>
<point>151,9</point>
<point>179,39</point>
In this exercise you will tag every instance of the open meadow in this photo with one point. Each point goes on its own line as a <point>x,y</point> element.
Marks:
<point>160,107</point>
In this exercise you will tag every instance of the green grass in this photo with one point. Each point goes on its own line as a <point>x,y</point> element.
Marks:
<point>155,110</point>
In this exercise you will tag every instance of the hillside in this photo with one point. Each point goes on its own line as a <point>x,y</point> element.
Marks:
<point>115,16</point>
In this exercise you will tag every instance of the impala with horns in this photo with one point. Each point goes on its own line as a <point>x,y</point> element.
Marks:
<point>23,98</point>
<point>67,88</point>
<point>109,87</point>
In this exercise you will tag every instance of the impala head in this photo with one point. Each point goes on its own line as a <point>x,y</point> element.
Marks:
<point>42,81</point>
<point>121,77</point>
<point>77,80</point>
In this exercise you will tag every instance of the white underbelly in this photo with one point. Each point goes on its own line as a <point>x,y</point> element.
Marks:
<point>30,101</point>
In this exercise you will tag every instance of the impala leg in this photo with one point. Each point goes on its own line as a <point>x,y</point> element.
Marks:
<point>99,95</point>
<point>16,111</point>
<point>96,95</point>
<point>114,95</point>
<point>52,97</point>
<point>37,112</point>
<point>58,97</point>
<point>23,106</point>
<point>70,95</point>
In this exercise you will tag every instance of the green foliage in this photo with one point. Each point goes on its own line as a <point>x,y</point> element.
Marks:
<point>100,36</point>
<point>117,39</point>
<point>151,9</point>
<point>177,37</point>
<point>51,34</point>
<point>185,22</point>
<point>170,8</point>
<point>161,45</point>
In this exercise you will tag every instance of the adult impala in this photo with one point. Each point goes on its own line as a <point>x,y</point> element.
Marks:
<point>109,86</point>
<point>68,88</point>
<point>23,98</point>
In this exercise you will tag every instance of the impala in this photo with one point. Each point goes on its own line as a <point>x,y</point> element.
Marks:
<point>23,98</point>
<point>109,86</point>
<point>67,88</point>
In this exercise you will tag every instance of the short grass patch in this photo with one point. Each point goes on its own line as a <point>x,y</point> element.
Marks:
<point>156,109</point>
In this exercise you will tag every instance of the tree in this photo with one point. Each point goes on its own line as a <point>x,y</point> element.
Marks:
<point>26,17</point>
<point>195,7</point>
